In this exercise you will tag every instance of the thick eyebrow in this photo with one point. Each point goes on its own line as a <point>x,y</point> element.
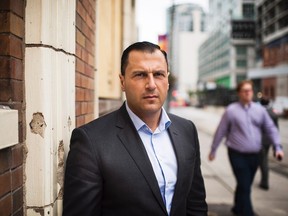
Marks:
<point>143,71</point>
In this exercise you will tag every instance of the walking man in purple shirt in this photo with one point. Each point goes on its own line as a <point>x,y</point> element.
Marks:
<point>243,124</point>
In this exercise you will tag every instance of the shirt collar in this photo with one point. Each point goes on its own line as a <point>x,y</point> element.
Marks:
<point>164,123</point>
<point>246,106</point>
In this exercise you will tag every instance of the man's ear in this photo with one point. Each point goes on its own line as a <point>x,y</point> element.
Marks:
<point>121,77</point>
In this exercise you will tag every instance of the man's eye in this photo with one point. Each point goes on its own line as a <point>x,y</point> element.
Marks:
<point>140,75</point>
<point>159,74</point>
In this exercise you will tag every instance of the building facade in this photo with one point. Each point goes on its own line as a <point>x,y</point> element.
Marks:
<point>271,71</point>
<point>53,77</point>
<point>226,55</point>
<point>186,24</point>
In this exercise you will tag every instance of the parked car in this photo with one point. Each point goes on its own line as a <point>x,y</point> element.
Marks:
<point>280,106</point>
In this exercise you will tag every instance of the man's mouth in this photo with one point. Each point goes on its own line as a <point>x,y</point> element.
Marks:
<point>150,96</point>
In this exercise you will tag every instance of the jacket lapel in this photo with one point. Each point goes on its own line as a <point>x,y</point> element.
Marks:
<point>134,146</point>
<point>179,151</point>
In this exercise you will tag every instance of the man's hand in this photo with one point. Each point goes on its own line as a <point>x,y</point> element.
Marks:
<point>279,155</point>
<point>211,157</point>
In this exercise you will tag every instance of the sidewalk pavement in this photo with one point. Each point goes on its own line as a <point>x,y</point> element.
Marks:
<point>218,177</point>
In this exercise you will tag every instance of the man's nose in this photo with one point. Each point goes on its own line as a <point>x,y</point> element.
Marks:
<point>150,82</point>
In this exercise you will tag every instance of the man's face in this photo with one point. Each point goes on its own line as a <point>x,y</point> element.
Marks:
<point>246,93</point>
<point>145,82</point>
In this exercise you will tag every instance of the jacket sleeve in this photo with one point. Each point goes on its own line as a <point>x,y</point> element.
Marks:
<point>196,202</point>
<point>83,182</point>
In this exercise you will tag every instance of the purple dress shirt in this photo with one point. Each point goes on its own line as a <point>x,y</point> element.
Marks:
<point>243,127</point>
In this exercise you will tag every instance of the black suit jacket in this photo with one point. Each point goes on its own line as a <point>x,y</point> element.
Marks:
<point>108,171</point>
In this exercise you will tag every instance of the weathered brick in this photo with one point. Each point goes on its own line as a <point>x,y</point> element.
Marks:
<point>5,45</point>
<point>79,22</point>
<point>17,178</point>
<point>78,108</point>
<point>17,155</point>
<point>78,50</point>
<point>89,71</point>
<point>5,90</point>
<point>90,108</point>
<point>6,205</point>
<point>80,38</point>
<point>80,120</point>
<point>16,69</point>
<point>89,47</point>
<point>84,108</point>
<point>85,4</point>
<point>78,79</point>
<point>85,50</point>
<point>17,199</point>
<point>90,22</point>
<point>80,10</point>
<point>5,22</point>
<point>5,67</point>
<point>89,95</point>
<point>17,6</point>
<point>91,60</point>
<point>5,186</point>
<point>16,47</point>
<point>16,25</point>
<point>5,5</point>
<point>91,84</point>
<point>11,90</point>
<point>11,46</point>
<point>91,12</point>
<point>85,30</point>
<point>80,65</point>
<point>84,56</point>
<point>5,159</point>
<point>11,23</point>
<point>11,68</point>
<point>80,94</point>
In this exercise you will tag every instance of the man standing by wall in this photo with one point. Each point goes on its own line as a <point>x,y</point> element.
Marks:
<point>138,160</point>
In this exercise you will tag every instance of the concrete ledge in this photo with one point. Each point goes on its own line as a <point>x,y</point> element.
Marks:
<point>8,127</point>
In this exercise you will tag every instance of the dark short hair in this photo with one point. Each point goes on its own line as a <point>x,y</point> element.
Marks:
<point>264,101</point>
<point>242,83</point>
<point>139,46</point>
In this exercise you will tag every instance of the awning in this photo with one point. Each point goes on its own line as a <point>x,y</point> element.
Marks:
<point>255,73</point>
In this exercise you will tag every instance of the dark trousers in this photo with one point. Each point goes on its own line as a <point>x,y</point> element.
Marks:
<point>264,168</point>
<point>244,167</point>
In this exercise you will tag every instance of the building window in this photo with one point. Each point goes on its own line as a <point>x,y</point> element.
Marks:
<point>241,50</point>
<point>241,63</point>
<point>248,11</point>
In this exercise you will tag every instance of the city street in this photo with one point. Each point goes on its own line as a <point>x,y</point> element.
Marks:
<point>218,176</point>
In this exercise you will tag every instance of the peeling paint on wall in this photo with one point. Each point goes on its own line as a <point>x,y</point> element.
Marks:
<point>37,124</point>
<point>39,210</point>
<point>60,168</point>
<point>69,123</point>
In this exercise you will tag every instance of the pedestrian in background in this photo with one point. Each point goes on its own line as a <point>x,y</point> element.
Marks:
<point>266,143</point>
<point>138,160</point>
<point>242,124</point>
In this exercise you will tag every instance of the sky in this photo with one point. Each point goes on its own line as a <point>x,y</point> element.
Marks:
<point>151,16</point>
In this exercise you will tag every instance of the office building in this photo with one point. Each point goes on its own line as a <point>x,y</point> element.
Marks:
<point>229,51</point>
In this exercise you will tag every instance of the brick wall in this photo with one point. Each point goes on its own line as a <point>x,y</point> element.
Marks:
<point>275,55</point>
<point>12,95</point>
<point>85,60</point>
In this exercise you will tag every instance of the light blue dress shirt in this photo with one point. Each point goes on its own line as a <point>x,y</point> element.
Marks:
<point>160,152</point>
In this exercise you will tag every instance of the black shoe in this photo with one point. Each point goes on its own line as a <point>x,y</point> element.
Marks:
<point>234,212</point>
<point>264,186</point>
